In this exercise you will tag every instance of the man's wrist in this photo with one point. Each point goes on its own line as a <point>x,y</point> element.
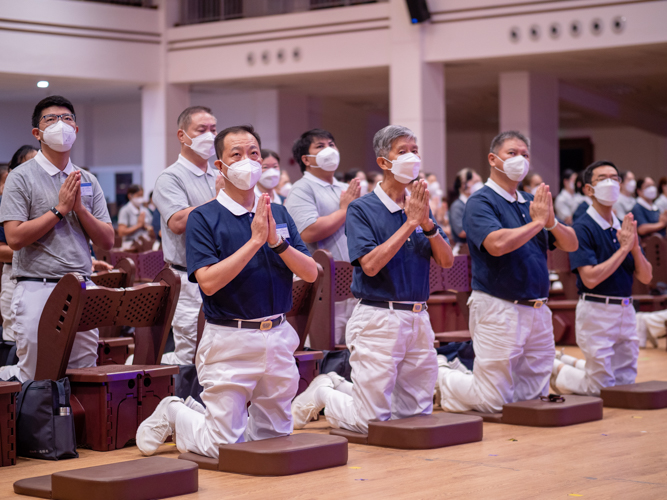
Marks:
<point>428,226</point>
<point>276,242</point>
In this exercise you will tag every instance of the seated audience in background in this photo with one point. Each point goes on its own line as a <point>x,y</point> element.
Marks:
<point>466,183</point>
<point>50,210</point>
<point>391,240</point>
<point>608,257</point>
<point>179,189</point>
<point>648,216</point>
<point>318,204</point>
<point>531,182</point>
<point>661,200</point>
<point>357,174</point>
<point>583,201</point>
<point>508,233</point>
<point>373,179</point>
<point>22,155</point>
<point>284,185</point>
<point>270,177</point>
<point>626,200</point>
<point>242,251</point>
<point>566,203</point>
<point>155,217</point>
<point>437,197</point>
<point>134,219</point>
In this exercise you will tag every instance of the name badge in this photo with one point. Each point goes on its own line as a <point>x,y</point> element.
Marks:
<point>282,230</point>
<point>419,229</point>
<point>86,189</point>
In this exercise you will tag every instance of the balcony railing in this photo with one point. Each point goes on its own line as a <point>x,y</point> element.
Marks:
<point>203,11</point>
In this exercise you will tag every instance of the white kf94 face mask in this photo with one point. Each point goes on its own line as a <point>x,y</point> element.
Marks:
<point>607,192</point>
<point>406,167</point>
<point>270,178</point>
<point>327,159</point>
<point>203,144</point>
<point>516,167</point>
<point>243,174</point>
<point>650,193</point>
<point>60,136</point>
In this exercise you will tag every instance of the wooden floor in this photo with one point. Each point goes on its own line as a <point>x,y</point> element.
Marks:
<point>622,456</point>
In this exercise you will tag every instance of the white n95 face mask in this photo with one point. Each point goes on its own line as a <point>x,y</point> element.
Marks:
<point>607,192</point>
<point>327,159</point>
<point>516,167</point>
<point>60,136</point>
<point>476,187</point>
<point>650,193</point>
<point>203,144</point>
<point>269,178</point>
<point>244,174</point>
<point>406,167</point>
<point>630,186</point>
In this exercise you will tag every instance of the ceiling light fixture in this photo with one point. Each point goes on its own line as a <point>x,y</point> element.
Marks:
<point>42,84</point>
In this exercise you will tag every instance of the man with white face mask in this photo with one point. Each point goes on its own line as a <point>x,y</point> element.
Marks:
<point>270,177</point>
<point>646,213</point>
<point>242,251</point>
<point>508,234</point>
<point>318,203</point>
<point>179,189</point>
<point>133,218</point>
<point>626,200</point>
<point>51,210</point>
<point>608,257</point>
<point>391,239</point>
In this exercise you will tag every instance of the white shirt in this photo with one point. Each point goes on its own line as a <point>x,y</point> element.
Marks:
<point>276,198</point>
<point>624,205</point>
<point>661,203</point>
<point>565,204</point>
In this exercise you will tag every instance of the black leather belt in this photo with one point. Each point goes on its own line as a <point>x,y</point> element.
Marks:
<point>179,268</point>
<point>617,301</point>
<point>41,280</point>
<point>416,307</point>
<point>251,325</point>
<point>535,304</point>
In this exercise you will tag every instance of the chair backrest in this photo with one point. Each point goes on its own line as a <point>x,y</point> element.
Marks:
<point>121,276</point>
<point>655,248</point>
<point>75,306</point>
<point>454,279</point>
<point>322,334</point>
<point>558,260</point>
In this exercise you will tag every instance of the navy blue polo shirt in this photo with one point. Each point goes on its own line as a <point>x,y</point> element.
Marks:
<point>264,287</point>
<point>597,243</point>
<point>645,216</point>
<point>580,211</point>
<point>371,220</point>
<point>518,275</point>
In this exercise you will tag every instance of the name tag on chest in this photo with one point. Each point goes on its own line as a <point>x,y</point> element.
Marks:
<point>282,230</point>
<point>86,189</point>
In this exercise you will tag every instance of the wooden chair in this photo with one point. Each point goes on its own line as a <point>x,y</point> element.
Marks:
<point>8,391</point>
<point>148,263</point>
<point>447,304</point>
<point>110,401</point>
<point>655,248</point>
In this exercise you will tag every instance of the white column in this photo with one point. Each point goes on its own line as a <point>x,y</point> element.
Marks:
<point>529,104</point>
<point>417,90</point>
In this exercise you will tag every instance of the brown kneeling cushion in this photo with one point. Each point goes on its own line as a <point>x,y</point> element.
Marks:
<point>277,456</point>
<point>155,477</point>
<point>421,432</point>
<point>643,396</point>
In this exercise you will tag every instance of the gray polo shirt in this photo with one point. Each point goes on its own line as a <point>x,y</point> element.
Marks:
<point>182,185</point>
<point>30,191</point>
<point>311,198</point>
<point>129,215</point>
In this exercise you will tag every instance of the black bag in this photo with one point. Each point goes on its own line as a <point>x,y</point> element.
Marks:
<point>337,361</point>
<point>186,383</point>
<point>44,420</point>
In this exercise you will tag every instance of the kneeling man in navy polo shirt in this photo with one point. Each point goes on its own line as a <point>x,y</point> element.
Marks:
<point>242,251</point>
<point>508,234</point>
<point>608,256</point>
<point>391,239</point>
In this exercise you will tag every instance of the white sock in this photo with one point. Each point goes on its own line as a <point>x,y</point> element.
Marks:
<point>580,364</point>
<point>569,360</point>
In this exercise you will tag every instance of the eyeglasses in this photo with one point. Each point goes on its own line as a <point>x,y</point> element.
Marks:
<point>68,118</point>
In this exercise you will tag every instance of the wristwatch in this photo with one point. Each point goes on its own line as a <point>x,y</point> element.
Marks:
<point>57,214</point>
<point>431,232</point>
<point>280,247</point>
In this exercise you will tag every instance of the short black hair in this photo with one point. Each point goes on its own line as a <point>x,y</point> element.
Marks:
<point>19,156</point>
<point>661,184</point>
<point>134,189</point>
<point>350,174</point>
<point>47,102</point>
<point>640,183</point>
<point>588,173</point>
<point>567,173</point>
<point>302,145</point>
<point>185,118</point>
<point>266,153</point>
<point>462,177</point>
<point>237,129</point>
<point>500,139</point>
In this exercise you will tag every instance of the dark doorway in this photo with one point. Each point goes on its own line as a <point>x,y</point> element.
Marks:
<point>576,154</point>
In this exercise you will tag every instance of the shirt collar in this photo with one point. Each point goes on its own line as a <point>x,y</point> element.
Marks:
<point>641,201</point>
<point>50,168</point>
<point>463,198</point>
<point>317,180</point>
<point>238,210</point>
<point>384,198</point>
<point>493,185</point>
<point>601,221</point>
<point>194,168</point>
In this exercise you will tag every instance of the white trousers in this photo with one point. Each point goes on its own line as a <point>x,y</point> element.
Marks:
<point>27,305</point>
<point>654,322</point>
<point>514,353</point>
<point>342,313</point>
<point>236,366</point>
<point>394,368</point>
<point>184,324</point>
<point>6,295</point>
<point>607,336</point>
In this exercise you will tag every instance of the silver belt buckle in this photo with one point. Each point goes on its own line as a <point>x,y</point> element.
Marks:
<point>417,308</point>
<point>266,325</point>
<point>537,304</point>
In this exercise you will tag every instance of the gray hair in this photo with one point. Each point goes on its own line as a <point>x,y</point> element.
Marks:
<point>384,138</point>
<point>500,139</point>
